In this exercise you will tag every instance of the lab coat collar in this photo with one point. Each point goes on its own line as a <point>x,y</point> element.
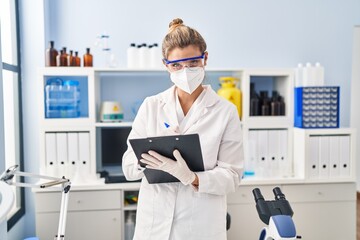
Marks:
<point>167,98</point>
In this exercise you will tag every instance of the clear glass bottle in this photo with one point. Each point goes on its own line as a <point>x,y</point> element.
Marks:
<point>88,58</point>
<point>50,55</point>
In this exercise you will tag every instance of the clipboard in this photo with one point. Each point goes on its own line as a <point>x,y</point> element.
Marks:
<point>188,146</point>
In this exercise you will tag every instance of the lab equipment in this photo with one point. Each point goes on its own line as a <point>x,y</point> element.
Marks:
<point>88,58</point>
<point>230,92</point>
<point>111,111</point>
<point>277,214</point>
<point>62,98</point>
<point>132,55</point>
<point>8,178</point>
<point>50,55</point>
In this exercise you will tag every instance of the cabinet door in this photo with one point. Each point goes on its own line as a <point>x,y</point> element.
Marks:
<point>245,222</point>
<point>325,220</point>
<point>90,225</point>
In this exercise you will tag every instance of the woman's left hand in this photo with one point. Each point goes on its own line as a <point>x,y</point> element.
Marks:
<point>178,168</point>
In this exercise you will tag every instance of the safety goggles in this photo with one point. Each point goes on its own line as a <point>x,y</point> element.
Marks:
<point>176,65</point>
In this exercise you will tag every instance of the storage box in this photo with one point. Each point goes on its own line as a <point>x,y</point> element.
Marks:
<point>316,107</point>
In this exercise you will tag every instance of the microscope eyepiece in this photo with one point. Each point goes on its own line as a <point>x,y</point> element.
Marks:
<point>257,194</point>
<point>278,194</point>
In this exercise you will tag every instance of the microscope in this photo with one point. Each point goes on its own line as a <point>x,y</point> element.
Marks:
<point>277,214</point>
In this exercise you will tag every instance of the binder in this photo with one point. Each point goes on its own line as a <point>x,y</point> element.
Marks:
<point>334,156</point>
<point>61,153</point>
<point>313,165</point>
<point>73,153</point>
<point>50,154</point>
<point>273,152</point>
<point>263,159</point>
<point>324,157</point>
<point>344,144</point>
<point>84,153</point>
<point>284,162</point>
<point>251,160</point>
<point>188,146</point>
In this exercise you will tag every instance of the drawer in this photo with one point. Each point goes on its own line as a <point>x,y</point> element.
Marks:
<point>320,192</point>
<point>79,200</point>
<point>244,194</point>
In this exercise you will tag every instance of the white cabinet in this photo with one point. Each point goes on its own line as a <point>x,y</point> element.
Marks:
<point>92,215</point>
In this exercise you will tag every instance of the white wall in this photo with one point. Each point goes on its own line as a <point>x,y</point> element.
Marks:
<point>355,96</point>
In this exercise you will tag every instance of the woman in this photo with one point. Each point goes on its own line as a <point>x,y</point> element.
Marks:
<point>195,207</point>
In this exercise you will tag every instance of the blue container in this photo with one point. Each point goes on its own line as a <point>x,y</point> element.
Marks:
<point>317,107</point>
<point>62,99</point>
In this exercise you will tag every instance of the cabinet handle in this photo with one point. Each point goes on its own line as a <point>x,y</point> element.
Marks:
<point>114,219</point>
<point>320,193</point>
<point>243,195</point>
<point>78,201</point>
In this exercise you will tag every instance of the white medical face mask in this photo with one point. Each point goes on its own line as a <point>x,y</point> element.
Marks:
<point>188,79</point>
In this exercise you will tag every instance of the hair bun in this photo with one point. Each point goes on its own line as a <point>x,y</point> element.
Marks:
<point>174,23</point>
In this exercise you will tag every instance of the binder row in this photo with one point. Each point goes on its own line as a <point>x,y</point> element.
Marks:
<point>329,156</point>
<point>67,154</point>
<point>317,107</point>
<point>266,154</point>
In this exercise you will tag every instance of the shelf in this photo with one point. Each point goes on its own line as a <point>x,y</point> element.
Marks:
<point>130,207</point>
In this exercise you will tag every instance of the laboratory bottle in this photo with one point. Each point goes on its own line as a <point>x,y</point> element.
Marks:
<point>282,106</point>
<point>275,104</point>
<point>230,92</point>
<point>155,56</point>
<point>309,75</point>
<point>144,56</point>
<point>70,58</point>
<point>70,99</point>
<point>319,73</point>
<point>88,58</point>
<point>63,58</point>
<point>58,62</point>
<point>254,101</point>
<point>129,227</point>
<point>299,75</point>
<point>265,108</point>
<point>132,56</point>
<point>77,60</point>
<point>50,55</point>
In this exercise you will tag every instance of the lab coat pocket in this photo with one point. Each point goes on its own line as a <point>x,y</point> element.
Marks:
<point>208,214</point>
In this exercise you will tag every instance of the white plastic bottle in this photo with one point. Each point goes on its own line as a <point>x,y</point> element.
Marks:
<point>144,56</point>
<point>309,75</point>
<point>299,75</point>
<point>129,227</point>
<point>319,74</point>
<point>132,56</point>
<point>155,56</point>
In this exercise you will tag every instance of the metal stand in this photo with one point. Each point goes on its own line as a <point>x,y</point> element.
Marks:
<point>8,177</point>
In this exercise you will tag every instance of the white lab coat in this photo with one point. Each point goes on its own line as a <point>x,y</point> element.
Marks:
<point>174,211</point>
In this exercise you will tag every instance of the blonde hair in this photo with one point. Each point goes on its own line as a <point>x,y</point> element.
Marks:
<point>181,36</point>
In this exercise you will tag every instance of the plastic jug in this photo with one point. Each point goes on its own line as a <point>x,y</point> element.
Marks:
<point>230,92</point>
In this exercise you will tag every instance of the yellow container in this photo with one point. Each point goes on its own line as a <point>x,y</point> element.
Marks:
<point>230,92</point>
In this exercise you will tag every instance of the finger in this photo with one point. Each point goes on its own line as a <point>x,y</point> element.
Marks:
<point>157,156</point>
<point>177,154</point>
<point>148,163</point>
<point>151,158</point>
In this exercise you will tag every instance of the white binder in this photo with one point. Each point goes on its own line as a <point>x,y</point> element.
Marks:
<point>263,159</point>
<point>251,164</point>
<point>344,144</point>
<point>50,154</point>
<point>324,158</point>
<point>285,165</point>
<point>334,149</point>
<point>61,153</point>
<point>73,153</point>
<point>273,152</point>
<point>313,165</point>
<point>84,153</point>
